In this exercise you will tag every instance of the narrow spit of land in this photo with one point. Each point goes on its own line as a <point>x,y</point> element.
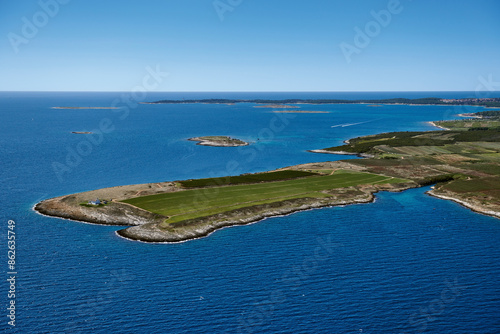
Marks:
<point>462,163</point>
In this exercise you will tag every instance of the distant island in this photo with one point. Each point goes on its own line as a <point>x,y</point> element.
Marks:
<point>277,106</point>
<point>82,132</point>
<point>484,102</point>
<point>85,108</point>
<point>219,141</point>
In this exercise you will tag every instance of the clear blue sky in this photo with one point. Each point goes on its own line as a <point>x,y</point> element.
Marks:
<point>260,45</point>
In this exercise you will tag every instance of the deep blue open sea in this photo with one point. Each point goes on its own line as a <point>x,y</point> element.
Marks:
<point>407,263</point>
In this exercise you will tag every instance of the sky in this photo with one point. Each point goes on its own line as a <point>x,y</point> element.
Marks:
<point>249,45</point>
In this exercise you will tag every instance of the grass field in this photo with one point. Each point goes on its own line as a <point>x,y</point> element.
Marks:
<point>246,179</point>
<point>189,204</point>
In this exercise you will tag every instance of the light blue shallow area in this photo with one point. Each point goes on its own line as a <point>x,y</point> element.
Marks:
<point>408,263</point>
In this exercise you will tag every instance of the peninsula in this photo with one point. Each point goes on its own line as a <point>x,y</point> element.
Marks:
<point>219,141</point>
<point>462,164</point>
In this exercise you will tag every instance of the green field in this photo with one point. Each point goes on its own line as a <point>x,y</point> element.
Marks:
<point>189,204</point>
<point>246,179</point>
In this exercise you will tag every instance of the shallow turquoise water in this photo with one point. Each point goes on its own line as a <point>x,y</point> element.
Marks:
<point>406,263</point>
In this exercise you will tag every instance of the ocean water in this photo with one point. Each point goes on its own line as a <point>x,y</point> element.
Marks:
<point>407,263</point>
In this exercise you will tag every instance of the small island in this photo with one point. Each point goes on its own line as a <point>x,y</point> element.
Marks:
<point>219,141</point>
<point>82,132</point>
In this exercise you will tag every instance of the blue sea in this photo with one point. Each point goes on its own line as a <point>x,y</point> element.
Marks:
<point>407,263</point>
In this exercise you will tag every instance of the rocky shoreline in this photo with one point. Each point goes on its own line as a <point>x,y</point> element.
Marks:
<point>115,213</point>
<point>476,207</point>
